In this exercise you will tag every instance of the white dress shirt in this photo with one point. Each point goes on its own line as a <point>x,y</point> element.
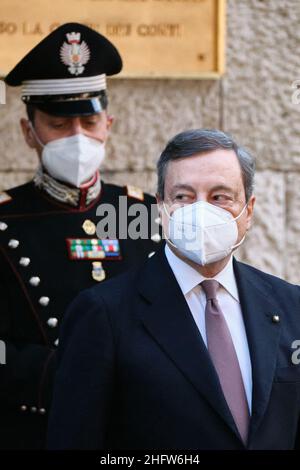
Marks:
<point>189,279</point>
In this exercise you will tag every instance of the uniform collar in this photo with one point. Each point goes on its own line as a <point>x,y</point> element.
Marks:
<point>188,278</point>
<point>74,197</point>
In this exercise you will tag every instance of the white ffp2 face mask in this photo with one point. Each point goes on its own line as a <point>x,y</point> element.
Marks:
<point>202,232</point>
<point>73,159</point>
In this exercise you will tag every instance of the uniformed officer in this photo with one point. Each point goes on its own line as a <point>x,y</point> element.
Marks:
<point>49,247</point>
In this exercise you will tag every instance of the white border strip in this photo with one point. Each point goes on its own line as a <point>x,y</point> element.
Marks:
<point>64,86</point>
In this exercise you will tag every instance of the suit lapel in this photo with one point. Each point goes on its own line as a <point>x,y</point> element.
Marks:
<point>169,321</point>
<point>263,336</point>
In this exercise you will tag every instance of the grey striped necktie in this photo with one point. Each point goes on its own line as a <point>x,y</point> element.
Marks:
<point>224,358</point>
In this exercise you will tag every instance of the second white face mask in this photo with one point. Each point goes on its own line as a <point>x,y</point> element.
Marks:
<point>72,159</point>
<point>202,232</point>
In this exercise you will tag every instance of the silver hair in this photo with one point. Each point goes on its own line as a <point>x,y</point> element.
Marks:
<point>196,141</point>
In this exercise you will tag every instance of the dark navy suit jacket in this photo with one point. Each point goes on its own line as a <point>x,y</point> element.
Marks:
<point>134,372</point>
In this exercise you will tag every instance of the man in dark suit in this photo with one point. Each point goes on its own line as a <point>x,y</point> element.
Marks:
<point>192,350</point>
<point>49,246</point>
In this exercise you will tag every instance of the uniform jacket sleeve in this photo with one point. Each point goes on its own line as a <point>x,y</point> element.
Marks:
<point>27,365</point>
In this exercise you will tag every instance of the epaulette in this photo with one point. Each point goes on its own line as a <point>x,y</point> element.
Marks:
<point>135,192</point>
<point>4,198</point>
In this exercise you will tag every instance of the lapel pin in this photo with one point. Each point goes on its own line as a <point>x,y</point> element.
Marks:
<point>275,319</point>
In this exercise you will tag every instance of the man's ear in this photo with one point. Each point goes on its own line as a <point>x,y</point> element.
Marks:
<point>110,120</point>
<point>158,198</point>
<point>249,211</point>
<point>159,203</point>
<point>28,134</point>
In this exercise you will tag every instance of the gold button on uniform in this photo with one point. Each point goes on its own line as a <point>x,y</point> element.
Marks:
<point>89,227</point>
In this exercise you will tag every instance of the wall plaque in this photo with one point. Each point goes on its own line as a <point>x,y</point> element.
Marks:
<point>156,38</point>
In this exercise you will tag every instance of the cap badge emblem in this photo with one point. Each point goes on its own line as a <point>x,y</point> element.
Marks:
<point>74,53</point>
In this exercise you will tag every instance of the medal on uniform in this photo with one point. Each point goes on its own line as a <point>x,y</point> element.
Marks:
<point>93,249</point>
<point>98,273</point>
<point>89,227</point>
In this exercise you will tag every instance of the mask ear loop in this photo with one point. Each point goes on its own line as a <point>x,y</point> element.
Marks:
<point>239,243</point>
<point>35,135</point>
<point>240,214</point>
<point>170,217</point>
<point>242,240</point>
<point>164,205</point>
